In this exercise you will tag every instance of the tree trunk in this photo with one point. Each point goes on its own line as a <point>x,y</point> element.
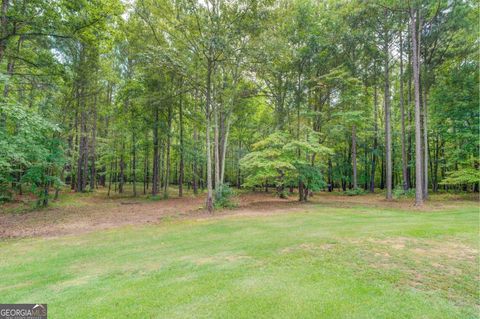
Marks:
<point>224,151</point>
<point>239,172</point>
<point>195,147</point>
<point>182,165</point>
<point>300,191</point>
<point>4,28</point>
<point>354,156</point>
<point>82,154</point>
<point>375,139</point>
<point>425,142</point>
<point>134,163</point>
<point>3,46</point>
<point>122,169</point>
<point>145,167</point>
<point>209,202</point>
<point>167,157</point>
<point>115,176</point>
<point>388,128</point>
<point>409,119</point>
<point>330,175</point>
<point>93,172</point>
<point>382,175</point>
<point>216,142</point>
<point>155,154</point>
<point>110,179</point>
<point>414,29</point>
<point>406,183</point>
<point>194,164</point>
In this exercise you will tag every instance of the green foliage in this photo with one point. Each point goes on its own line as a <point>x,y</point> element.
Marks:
<point>224,196</point>
<point>464,176</point>
<point>399,192</point>
<point>269,162</point>
<point>310,176</point>
<point>354,192</point>
<point>291,88</point>
<point>154,197</point>
<point>29,147</point>
<point>275,160</point>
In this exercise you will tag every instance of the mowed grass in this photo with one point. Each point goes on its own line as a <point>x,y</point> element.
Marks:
<point>325,262</point>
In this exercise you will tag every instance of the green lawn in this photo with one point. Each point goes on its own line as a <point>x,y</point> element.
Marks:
<point>323,263</point>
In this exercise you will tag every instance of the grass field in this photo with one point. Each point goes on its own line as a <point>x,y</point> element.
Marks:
<point>323,262</point>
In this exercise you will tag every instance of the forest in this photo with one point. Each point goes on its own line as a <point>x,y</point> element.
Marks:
<point>240,158</point>
<point>209,95</point>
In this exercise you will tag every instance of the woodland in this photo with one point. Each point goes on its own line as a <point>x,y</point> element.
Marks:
<point>294,96</point>
<point>240,158</point>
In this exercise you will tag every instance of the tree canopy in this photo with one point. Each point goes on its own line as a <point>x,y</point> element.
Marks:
<point>299,95</point>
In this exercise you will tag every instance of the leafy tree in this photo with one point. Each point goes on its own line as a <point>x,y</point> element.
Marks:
<point>274,160</point>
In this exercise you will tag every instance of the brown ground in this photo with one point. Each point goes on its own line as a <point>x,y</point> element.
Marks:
<point>85,213</point>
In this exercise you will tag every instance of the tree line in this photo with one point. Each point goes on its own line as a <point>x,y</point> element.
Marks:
<point>293,95</point>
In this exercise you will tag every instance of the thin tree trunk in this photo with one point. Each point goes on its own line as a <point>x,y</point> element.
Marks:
<point>4,28</point>
<point>406,185</point>
<point>195,147</point>
<point>110,178</point>
<point>239,182</point>
<point>3,46</point>
<point>155,155</point>
<point>194,164</point>
<point>414,29</point>
<point>145,168</point>
<point>81,154</point>
<point>115,176</point>
<point>74,177</point>
<point>425,142</point>
<point>330,175</point>
<point>122,169</point>
<point>375,139</point>
<point>209,202</point>
<point>134,163</point>
<point>94,137</point>
<point>354,156</point>
<point>382,175</point>
<point>388,128</point>
<point>167,159</point>
<point>11,64</point>
<point>182,165</point>
<point>216,150</point>
<point>224,151</point>
<point>409,112</point>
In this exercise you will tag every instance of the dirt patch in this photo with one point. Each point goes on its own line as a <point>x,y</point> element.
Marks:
<point>309,247</point>
<point>96,213</point>
<point>448,250</point>
<point>216,259</point>
<point>428,249</point>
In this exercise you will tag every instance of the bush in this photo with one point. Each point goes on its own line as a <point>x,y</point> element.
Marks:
<point>282,193</point>
<point>6,194</point>
<point>223,197</point>
<point>399,192</point>
<point>354,192</point>
<point>154,197</point>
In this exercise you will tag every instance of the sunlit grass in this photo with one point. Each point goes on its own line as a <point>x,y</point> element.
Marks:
<point>322,263</point>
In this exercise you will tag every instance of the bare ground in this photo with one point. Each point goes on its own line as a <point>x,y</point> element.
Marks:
<point>97,211</point>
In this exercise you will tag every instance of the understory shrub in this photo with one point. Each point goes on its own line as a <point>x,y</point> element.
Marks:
<point>354,192</point>
<point>399,192</point>
<point>224,197</point>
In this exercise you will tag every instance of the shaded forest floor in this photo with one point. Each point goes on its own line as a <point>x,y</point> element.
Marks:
<point>76,213</point>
